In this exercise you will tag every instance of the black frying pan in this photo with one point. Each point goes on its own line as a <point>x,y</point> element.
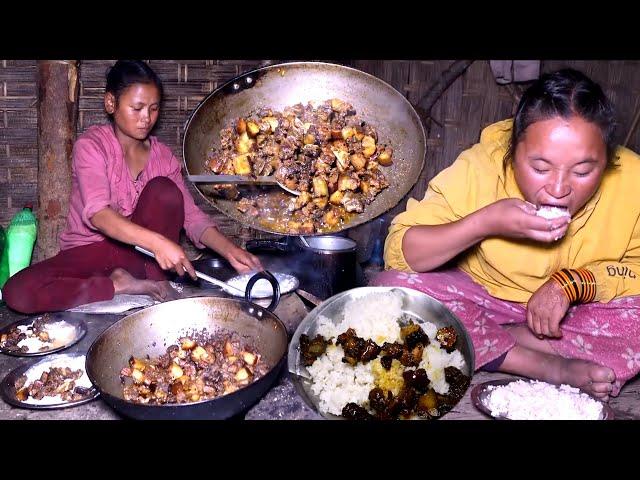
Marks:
<point>152,330</point>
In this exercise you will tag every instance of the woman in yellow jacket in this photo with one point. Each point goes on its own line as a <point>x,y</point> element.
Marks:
<point>532,237</point>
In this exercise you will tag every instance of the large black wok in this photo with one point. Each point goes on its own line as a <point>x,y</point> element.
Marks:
<point>152,330</point>
<point>278,86</point>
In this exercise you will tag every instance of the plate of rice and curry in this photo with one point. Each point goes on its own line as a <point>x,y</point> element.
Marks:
<point>59,381</point>
<point>42,335</point>
<point>381,353</point>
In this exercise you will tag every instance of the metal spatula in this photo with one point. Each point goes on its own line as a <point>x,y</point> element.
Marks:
<point>240,180</point>
<point>225,286</point>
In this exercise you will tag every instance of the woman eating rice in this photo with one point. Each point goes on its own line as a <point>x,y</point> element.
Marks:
<point>553,299</point>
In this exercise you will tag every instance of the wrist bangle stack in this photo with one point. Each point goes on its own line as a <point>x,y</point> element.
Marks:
<point>579,285</point>
<point>588,285</point>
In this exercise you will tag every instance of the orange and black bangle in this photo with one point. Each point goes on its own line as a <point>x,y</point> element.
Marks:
<point>589,285</point>
<point>569,287</point>
<point>575,285</point>
<point>578,285</point>
<point>560,281</point>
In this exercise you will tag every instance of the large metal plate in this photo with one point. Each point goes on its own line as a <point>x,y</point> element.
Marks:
<point>418,305</point>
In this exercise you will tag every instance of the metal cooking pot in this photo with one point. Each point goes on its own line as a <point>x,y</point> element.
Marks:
<point>325,265</point>
<point>152,330</point>
<point>282,85</point>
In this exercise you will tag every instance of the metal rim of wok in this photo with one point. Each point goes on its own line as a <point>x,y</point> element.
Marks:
<point>8,390</point>
<point>150,331</point>
<point>332,306</point>
<point>480,393</point>
<point>330,244</point>
<point>80,332</point>
<point>285,84</point>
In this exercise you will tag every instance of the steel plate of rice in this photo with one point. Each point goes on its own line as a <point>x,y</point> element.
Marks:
<point>381,353</point>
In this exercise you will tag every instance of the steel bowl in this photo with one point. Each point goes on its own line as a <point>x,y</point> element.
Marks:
<point>418,305</point>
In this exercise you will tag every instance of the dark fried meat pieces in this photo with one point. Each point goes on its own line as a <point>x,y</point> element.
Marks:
<point>353,411</point>
<point>325,151</point>
<point>311,349</point>
<point>357,349</point>
<point>413,335</point>
<point>193,370</point>
<point>458,382</point>
<point>447,337</point>
<point>417,379</point>
<point>416,396</point>
<point>55,381</point>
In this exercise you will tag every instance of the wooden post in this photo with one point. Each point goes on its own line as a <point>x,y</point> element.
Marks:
<point>57,117</point>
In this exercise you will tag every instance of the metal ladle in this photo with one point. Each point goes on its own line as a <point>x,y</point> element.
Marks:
<point>240,180</point>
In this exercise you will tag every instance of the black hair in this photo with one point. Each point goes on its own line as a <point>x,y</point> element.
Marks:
<point>565,93</point>
<point>129,72</point>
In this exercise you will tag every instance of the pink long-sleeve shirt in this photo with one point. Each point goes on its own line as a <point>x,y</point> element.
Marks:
<point>101,178</point>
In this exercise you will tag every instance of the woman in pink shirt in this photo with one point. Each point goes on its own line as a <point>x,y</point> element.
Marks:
<point>127,189</point>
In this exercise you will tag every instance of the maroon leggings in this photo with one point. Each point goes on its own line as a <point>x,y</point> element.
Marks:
<point>81,275</point>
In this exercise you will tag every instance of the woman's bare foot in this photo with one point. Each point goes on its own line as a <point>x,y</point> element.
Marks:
<point>124,282</point>
<point>588,376</point>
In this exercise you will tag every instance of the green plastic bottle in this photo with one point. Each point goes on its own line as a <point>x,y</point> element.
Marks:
<point>19,242</point>
<point>2,237</point>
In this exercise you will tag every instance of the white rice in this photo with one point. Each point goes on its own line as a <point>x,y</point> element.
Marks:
<point>375,317</point>
<point>435,360</point>
<point>337,383</point>
<point>60,333</point>
<point>552,212</point>
<point>34,373</point>
<point>535,400</point>
<point>262,288</point>
<point>371,316</point>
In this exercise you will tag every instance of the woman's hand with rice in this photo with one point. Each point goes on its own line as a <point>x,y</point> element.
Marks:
<point>515,218</point>
<point>546,309</point>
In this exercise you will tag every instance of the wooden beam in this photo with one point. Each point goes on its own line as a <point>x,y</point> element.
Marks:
<point>57,118</point>
<point>426,103</point>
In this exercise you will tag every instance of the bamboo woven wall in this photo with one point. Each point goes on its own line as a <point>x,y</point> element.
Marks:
<point>472,102</point>
<point>18,137</point>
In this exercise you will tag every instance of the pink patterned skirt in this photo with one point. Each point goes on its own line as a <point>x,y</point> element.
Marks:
<point>604,333</point>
